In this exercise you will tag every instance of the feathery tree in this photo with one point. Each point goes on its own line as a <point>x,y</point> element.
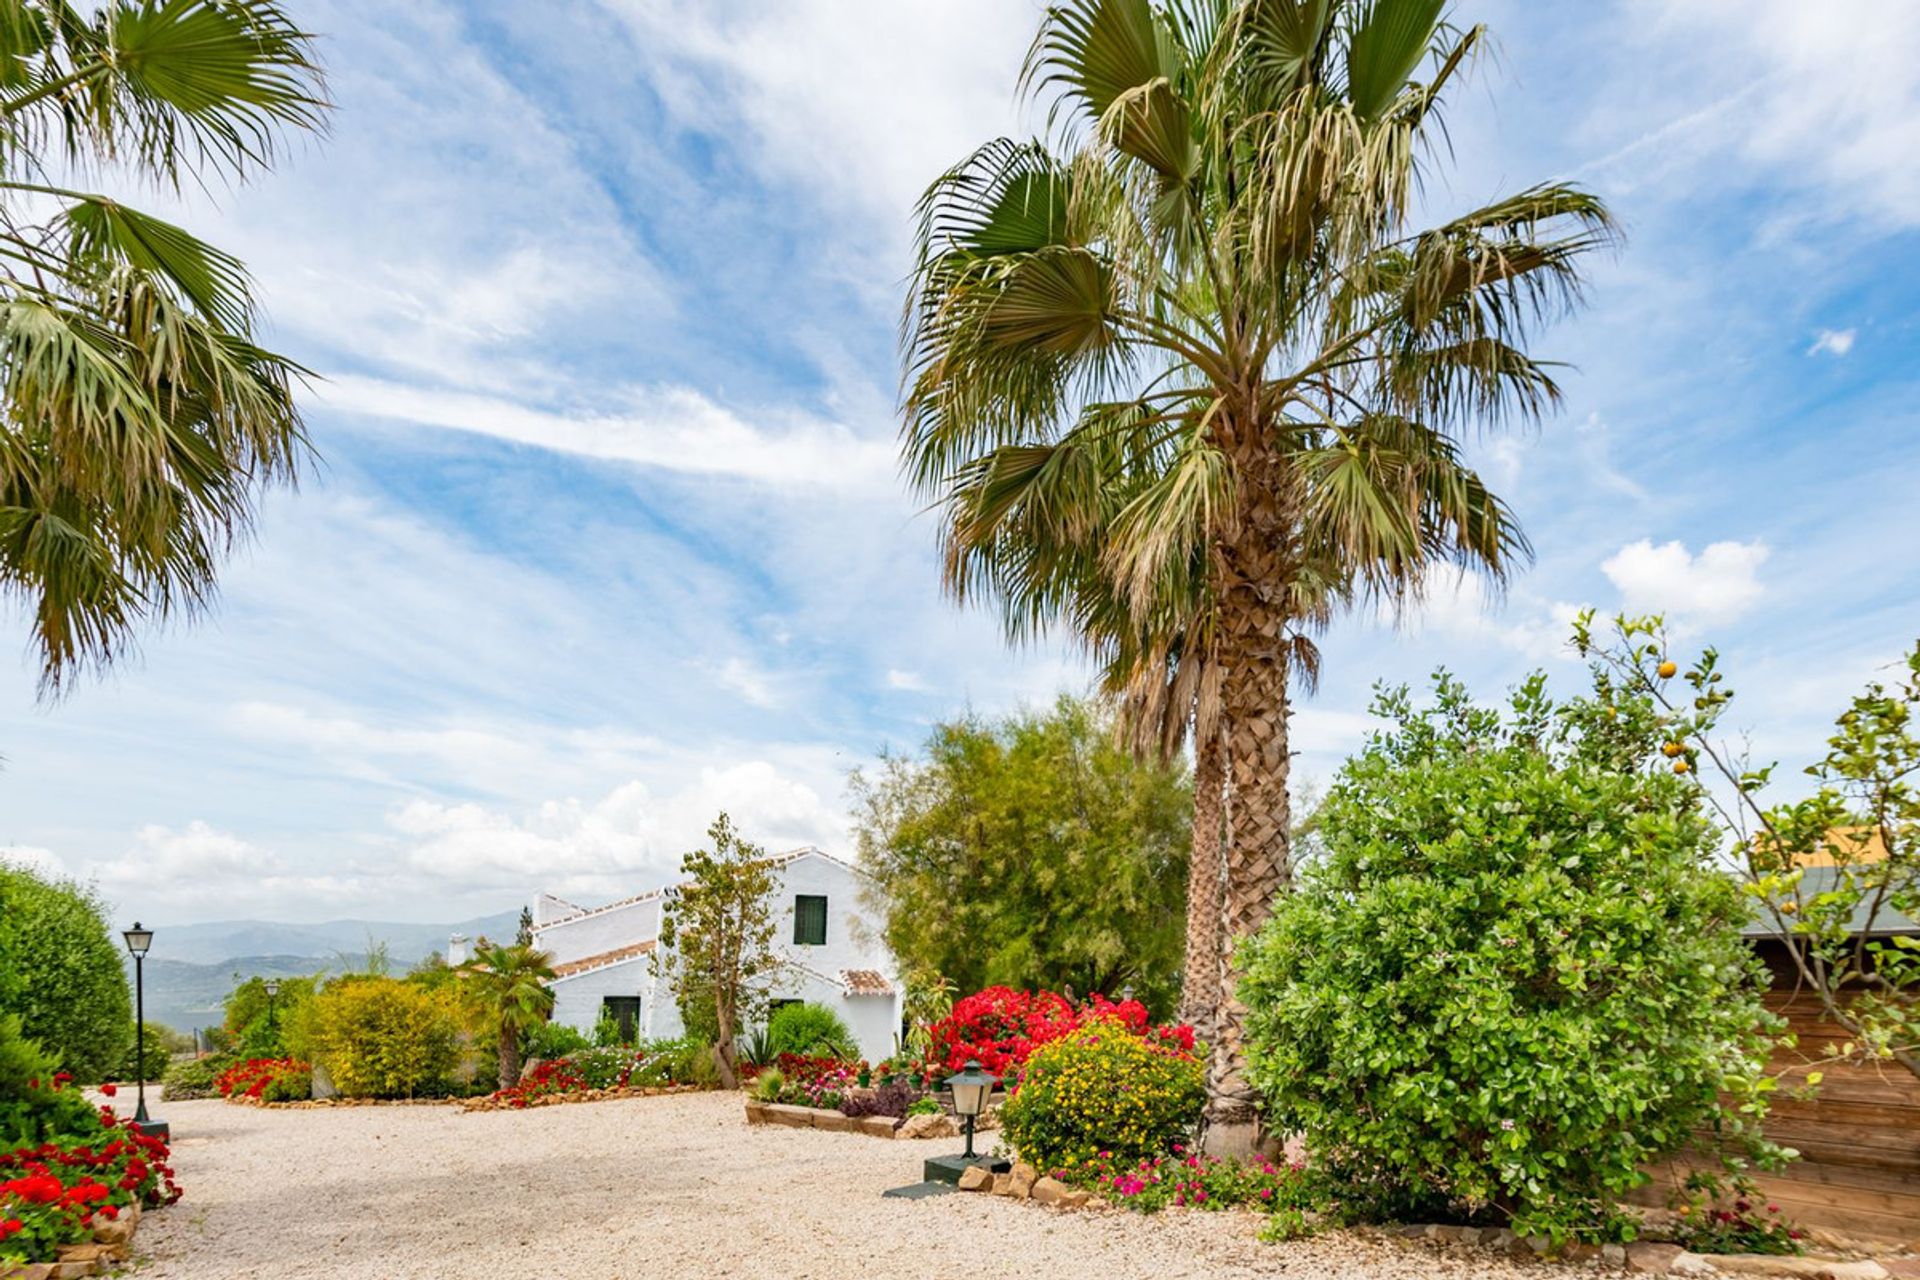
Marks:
<point>1201,297</point>
<point>139,420</point>
<point>514,984</point>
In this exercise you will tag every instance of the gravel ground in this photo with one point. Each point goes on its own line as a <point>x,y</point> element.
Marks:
<point>658,1187</point>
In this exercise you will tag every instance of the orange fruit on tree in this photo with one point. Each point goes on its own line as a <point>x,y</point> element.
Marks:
<point>1668,667</point>
<point>1672,749</point>
<point>1681,766</point>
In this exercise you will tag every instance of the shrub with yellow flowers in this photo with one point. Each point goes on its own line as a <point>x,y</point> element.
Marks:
<point>1103,1093</point>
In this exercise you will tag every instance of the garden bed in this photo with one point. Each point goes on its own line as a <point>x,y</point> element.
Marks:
<point>493,1102</point>
<point>112,1244</point>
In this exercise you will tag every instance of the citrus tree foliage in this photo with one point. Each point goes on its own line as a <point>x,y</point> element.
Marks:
<point>1829,874</point>
<point>62,973</point>
<point>1031,852</point>
<point>1510,976</point>
<point>716,936</point>
<point>141,420</point>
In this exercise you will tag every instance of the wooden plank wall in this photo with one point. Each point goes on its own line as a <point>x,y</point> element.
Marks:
<point>1858,1136</point>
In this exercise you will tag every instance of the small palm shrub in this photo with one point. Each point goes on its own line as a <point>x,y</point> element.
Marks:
<point>1103,1093</point>
<point>810,1029</point>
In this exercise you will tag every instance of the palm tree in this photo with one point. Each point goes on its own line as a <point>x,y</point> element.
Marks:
<point>514,982</point>
<point>139,420</point>
<point>1194,328</point>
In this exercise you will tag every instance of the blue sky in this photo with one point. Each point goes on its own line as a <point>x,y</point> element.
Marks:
<point>608,533</point>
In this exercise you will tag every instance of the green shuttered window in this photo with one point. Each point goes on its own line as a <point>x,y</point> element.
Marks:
<point>809,920</point>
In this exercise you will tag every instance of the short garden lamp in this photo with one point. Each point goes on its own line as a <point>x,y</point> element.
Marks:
<point>139,941</point>
<point>970,1089</point>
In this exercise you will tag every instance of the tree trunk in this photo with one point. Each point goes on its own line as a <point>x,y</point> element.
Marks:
<point>723,1047</point>
<point>1256,567</point>
<point>1200,978</point>
<point>509,1057</point>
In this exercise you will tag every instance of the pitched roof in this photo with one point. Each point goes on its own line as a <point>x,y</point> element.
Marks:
<point>865,982</point>
<point>1816,880</point>
<point>777,860</point>
<point>586,964</point>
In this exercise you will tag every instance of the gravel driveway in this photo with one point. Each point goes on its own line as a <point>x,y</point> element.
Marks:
<point>656,1187</point>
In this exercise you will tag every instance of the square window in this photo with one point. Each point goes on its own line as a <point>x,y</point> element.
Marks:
<point>810,920</point>
<point>625,1011</point>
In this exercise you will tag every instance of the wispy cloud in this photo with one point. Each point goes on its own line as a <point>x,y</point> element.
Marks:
<point>1835,342</point>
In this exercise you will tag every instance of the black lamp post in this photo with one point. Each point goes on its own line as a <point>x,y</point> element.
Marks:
<point>138,942</point>
<point>970,1089</point>
<point>273,991</point>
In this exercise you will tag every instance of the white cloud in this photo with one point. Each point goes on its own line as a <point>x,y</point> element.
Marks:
<point>673,428</point>
<point>909,681</point>
<point>1462,605</point>
<point>1837,342</point>
<point>747,680</point>
<point>41,861</point>
<point>1825,103</point>
<point>1716,586</point>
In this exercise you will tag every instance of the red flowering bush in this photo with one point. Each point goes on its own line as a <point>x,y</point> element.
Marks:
<point>1000,1028</point>
<point>267,1079</point>
<point>71,1163</point>
<point>608,1068</point>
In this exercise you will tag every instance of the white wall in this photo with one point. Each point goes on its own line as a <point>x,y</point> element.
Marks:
<point>599,932</point>
<point>576,1000</point>
<point>852,943</point>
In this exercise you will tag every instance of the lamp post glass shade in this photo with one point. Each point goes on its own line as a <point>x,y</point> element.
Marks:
<point>970,1089</point>
<point>138,939</point>
<point>273,987</point>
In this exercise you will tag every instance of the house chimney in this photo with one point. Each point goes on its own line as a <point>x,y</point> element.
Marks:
<point>458,952</point>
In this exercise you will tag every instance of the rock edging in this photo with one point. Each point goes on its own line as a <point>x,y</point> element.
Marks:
<point>491,1103</point>
<point>112,1244</point>
<point>1654,1257</point>
<point>1024,1182</point>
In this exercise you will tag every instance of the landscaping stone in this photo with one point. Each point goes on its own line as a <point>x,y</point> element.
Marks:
<point>116,1230</point>
<point>1095,1202</point>
<point>1768,1264</point>
<point>1024,1176</point>
<point>1003,1184</point>
<point>1650,1257</point>
<point>1614,1255</point>
<point>976,1179</point>
<point>72,1270</point>
<point>1902,1268</point>
<point>30,1271</point>
<point>756,1112</point>
<point>1050,1191</point>
<point>877,1126</point>
<point>834,1122</point>
<point>935,1126</point>
<point>792,1117</point>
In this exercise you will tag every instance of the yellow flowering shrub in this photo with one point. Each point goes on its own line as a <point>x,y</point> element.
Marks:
<point>1102,1094</point>
<point>382,1038</point>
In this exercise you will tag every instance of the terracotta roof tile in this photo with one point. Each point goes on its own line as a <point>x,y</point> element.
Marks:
<point>601,961</point>
<point>865,982</point>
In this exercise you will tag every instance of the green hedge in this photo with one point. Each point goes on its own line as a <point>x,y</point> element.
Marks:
<point>61,972</point>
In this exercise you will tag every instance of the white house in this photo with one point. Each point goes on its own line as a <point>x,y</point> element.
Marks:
<point>834,955</point>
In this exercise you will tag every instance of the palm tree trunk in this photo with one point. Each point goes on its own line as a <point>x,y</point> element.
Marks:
<point>1256,568</point>
<point>509,1057</point>
<point>1200,979</point>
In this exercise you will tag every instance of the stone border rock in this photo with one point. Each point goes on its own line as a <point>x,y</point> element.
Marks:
<point>1654,1257</point>
<point>1023,1182</point>
<point>791,1117</point>
<point>112,1245</point>
<point>316,1104</point>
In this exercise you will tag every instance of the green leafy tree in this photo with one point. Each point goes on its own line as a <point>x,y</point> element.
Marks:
<point>254,1033</point>
<point>1511,975</point>
<point>716,937</point>
<point>62,972</point>
<point>1197,323</point>
<point>141,419</point>
<point>1031,851</point>
<point>1830,874</point>
<point>386,1038</point>
<point>514,983</point>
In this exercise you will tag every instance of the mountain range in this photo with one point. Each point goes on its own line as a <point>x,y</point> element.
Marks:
<point>192,967</point>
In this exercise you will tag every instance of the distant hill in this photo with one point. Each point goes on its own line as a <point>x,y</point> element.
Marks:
<point>406,942</point>
<point>192,967</point>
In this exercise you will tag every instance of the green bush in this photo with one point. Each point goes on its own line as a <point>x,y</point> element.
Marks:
<point>286,1032</point>
<point>63,972</point>
<point>1510,976</point>
<point>811,1030</point>
<point>1102,1092</point>
<point>552,1040</point>
<point>191,1078</point>
<point>384,1038</point>
<point>162,1044</point>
